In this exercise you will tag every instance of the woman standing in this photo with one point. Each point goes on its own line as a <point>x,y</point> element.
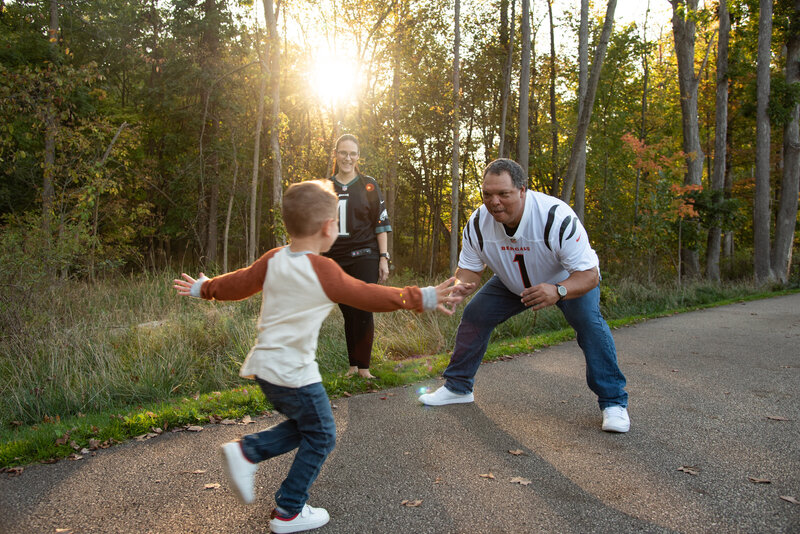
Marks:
<point>361,248</point>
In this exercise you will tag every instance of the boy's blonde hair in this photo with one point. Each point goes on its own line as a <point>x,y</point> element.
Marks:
<point>307,205</point>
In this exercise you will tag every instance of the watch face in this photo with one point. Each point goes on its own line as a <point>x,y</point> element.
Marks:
<point>562,291</point>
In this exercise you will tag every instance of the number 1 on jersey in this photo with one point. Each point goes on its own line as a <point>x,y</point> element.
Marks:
<point>519,259</point>
<point>343,217</point>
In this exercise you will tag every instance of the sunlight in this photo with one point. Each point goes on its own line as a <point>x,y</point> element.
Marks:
<point>333,78</point>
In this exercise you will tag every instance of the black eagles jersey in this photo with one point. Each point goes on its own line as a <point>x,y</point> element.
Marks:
<point>362,214</point>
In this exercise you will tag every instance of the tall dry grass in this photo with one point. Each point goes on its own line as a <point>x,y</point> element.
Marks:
<point>73,347</point>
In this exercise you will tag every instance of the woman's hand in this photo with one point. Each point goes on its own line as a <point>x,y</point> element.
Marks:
<point>383,270</point>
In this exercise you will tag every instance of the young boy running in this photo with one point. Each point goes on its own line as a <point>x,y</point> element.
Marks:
<point>299,289</point>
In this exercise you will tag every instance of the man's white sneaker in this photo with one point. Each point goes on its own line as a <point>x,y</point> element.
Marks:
<point>443,396</point>
<point>615,419</point>
<point>307,519</point>
<point>239,470</point>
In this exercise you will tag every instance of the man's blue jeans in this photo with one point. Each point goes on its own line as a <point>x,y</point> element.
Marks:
<point>309,428</point>
<point>494,304</point>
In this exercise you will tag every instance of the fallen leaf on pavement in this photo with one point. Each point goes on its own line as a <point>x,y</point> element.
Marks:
<point>411,504</point>
<point>227,422</point>
<point>776,418</point>
<point>487,475</point>
<point>347,394</point>
<point>438,480</point>
<point>213,485</point>
<point>521,481</point>
<point>517,452</point>
<point>64,530</point>
<point>755,480</point>
<point>195,472</point>
<point>75,456</point>
<point>790,499</point>
<point>195,428</point>
<point>13,471</point>
<point>246,420</point>
<point>689,469</point>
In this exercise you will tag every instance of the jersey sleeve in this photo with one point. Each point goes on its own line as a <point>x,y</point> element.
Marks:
<point>344,289</point>
<point>382,224</point>
<point>472,245</point>
<point>240,284</point>
<point>570,241</point>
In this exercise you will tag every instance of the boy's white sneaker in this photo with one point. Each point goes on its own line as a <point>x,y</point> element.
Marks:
<point>239,470</point>
<point>443,396</point>
<point>308,518</point>
<point>616,419</point>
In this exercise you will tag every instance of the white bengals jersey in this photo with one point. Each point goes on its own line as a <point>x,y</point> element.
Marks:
<point>549,244</point>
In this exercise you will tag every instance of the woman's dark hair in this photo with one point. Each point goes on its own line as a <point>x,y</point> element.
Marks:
<point>345,137</point>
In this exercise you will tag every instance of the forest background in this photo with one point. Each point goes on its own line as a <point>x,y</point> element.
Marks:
<point>146,137</point>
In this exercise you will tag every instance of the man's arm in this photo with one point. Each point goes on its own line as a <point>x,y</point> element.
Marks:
<point>578,284</point>
<point>466,282</point>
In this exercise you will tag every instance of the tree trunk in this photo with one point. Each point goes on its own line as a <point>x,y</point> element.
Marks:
<point>51,129</point>
<point>643,119</point>
<point>761,210</point>
<point>253,242</point>
<point>209,64</point>
<point>456,127</point>
<point>579,145</point>
<point>553,120</point>
<point>275,115</point>
<point>508,42</point>
<point>683,27</point>
<point>524,88</point>
<point>226,232</point>
<point>720,139</point>
<point>583,73</point>
<point>391,184</point>
<point>787,205</point>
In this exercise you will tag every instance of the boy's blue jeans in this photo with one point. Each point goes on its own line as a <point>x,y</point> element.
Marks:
<point>494,303</point>
<point>309,428</point>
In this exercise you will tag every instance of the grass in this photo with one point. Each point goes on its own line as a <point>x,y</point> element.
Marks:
<point>85,367</point>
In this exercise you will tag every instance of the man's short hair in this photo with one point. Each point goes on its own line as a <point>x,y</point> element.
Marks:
<point>514,169</point>
<point>307,205</point>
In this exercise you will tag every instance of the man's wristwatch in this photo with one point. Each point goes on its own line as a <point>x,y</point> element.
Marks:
<point>562,291</point>
<point>385,255</point>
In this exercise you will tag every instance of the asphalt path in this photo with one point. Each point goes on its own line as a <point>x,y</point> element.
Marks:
<point>714,403</point>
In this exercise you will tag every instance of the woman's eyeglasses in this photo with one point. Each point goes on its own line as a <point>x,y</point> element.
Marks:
<point>343,154</point>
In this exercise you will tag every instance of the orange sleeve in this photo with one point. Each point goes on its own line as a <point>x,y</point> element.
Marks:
<point>240,284</point>
<point>342,288</point>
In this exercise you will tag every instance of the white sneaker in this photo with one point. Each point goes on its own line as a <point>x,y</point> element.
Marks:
<point>615,419</point>
<point>443,396</point>
<point>307,519</point>
<point>239,470</point>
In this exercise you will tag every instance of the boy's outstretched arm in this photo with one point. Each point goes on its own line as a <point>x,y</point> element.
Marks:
<point>184,286</point>
<point>446,301</point>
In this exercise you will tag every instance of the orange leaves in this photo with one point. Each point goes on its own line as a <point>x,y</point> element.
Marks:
<point>652,158</point>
